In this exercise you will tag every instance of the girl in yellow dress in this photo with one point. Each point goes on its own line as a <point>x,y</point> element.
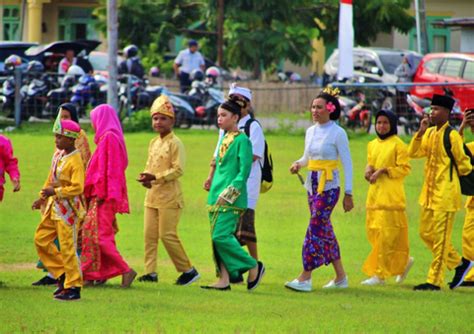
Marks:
<point>386,218</point>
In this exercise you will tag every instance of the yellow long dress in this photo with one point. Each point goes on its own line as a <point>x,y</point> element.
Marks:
<point>386,218</point>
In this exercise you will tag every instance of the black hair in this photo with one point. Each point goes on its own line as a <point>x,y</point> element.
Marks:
<point>240,100</point>
<point>330,98</point>
<point>72,111</point>
<point>232,107</point>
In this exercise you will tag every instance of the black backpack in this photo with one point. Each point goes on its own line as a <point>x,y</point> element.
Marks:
<point>466,181</point>
<point>267,167</point>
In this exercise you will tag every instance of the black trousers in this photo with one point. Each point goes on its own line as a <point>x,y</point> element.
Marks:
<point>184,82</point>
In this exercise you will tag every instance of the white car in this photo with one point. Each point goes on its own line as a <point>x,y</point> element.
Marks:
<point>372,64</point>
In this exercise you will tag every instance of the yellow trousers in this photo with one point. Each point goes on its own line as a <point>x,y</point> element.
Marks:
<point>162,224</point>
<point>387,232</point>
<point>435,230</point>
<point>468,240</point>
<point>58,262</point>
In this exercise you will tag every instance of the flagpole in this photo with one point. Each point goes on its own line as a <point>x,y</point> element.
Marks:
<point>418,28</point>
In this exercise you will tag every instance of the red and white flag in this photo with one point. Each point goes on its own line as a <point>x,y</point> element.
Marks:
<point>346,40</point>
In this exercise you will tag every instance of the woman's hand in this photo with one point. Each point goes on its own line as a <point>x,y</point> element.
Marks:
<point>207,184</point>
<point>295,168</point>
<point>347,203</point>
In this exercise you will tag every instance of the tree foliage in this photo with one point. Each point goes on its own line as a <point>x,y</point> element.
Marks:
<point>370,17</point>
<point>150,21</point>
<point>257,34</point>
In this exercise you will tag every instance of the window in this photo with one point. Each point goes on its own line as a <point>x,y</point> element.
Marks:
<point>451,67</point>
<point>76,23</point>
<point>439,44</point>
<point>11,23</point>
<point>432,65</point>
<point>469,71</point>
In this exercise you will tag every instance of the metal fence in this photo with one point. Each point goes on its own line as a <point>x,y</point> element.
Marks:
<point>409,101</point>
<point>27,96</point>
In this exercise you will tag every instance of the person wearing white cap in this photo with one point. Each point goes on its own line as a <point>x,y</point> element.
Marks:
<point>245,232</point>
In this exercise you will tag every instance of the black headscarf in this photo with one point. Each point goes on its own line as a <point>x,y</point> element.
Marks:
<point>392,118</point>
<point>233,107</point>
<point>72,110</point>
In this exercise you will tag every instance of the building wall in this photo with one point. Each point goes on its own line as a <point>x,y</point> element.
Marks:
<point>442,8</point>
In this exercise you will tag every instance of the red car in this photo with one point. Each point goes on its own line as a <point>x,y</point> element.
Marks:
<point>446,67</point>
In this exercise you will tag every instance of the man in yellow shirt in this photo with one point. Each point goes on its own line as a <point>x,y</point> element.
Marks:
<point>464,274</point>
<point>440,196</point>
<point>164,199</point>
<point>60,199</point>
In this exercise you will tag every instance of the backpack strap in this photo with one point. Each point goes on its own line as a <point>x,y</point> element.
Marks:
<point>247,126</point>
<point>447,148</point>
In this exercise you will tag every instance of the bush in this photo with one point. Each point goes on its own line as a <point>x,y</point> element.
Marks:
<point>139,121</point>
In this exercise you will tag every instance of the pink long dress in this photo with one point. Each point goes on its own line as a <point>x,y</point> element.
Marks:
<point>8,163</point>
<point>106,194</point>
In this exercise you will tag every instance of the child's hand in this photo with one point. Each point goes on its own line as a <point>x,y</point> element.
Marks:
<point>146,185</point>
<point>16,185</point>
<point>46,192</point>
<point>221,201</point>
<point>207,184</point>
<point>146,177</point>
<point>424,125</point>
<point>37,204</point>
<point>295,168</point>
<point>376,175</point>
<point>368,172</point>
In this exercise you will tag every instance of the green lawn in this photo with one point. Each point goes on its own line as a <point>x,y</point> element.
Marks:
<point>282,218</point>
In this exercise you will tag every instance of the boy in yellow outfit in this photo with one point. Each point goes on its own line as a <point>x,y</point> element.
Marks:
<point>440,196</point>
<point>386,220</point>
<point>164,199</point>
<point>60,198</point>
<point>464,274</point>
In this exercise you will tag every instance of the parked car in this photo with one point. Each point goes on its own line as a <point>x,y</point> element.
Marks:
<point>442,68</point>
<point>373,64</point>
<point>100,60</point>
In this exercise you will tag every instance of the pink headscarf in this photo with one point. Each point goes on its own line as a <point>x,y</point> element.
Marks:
<point>104,119</point>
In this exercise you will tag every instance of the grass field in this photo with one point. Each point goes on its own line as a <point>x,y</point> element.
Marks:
<point>282,218</point>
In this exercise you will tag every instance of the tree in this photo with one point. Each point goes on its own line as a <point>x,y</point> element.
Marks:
<point>370,17</point>
<point>151,21</point>
<point>259,34</point>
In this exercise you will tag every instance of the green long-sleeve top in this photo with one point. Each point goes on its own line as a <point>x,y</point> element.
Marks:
<point>232,169</point>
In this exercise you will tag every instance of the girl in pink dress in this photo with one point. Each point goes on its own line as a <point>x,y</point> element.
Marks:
<point>106,195</point>
<point>9,165</point>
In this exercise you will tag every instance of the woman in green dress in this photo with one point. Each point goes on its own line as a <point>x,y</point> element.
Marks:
<point>227,200</point>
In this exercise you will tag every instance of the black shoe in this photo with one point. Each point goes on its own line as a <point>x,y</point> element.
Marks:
<point>60,283</point>
<point>148,278</point>
<point>460,272</point>
<point>70,294</point>
<point>237,280</point>
<point>210,287</point>
<point>188,278</point>
<point>45,281</point>
<point>469,284</point>
<point>261,272</point>
<point>426,287</point>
